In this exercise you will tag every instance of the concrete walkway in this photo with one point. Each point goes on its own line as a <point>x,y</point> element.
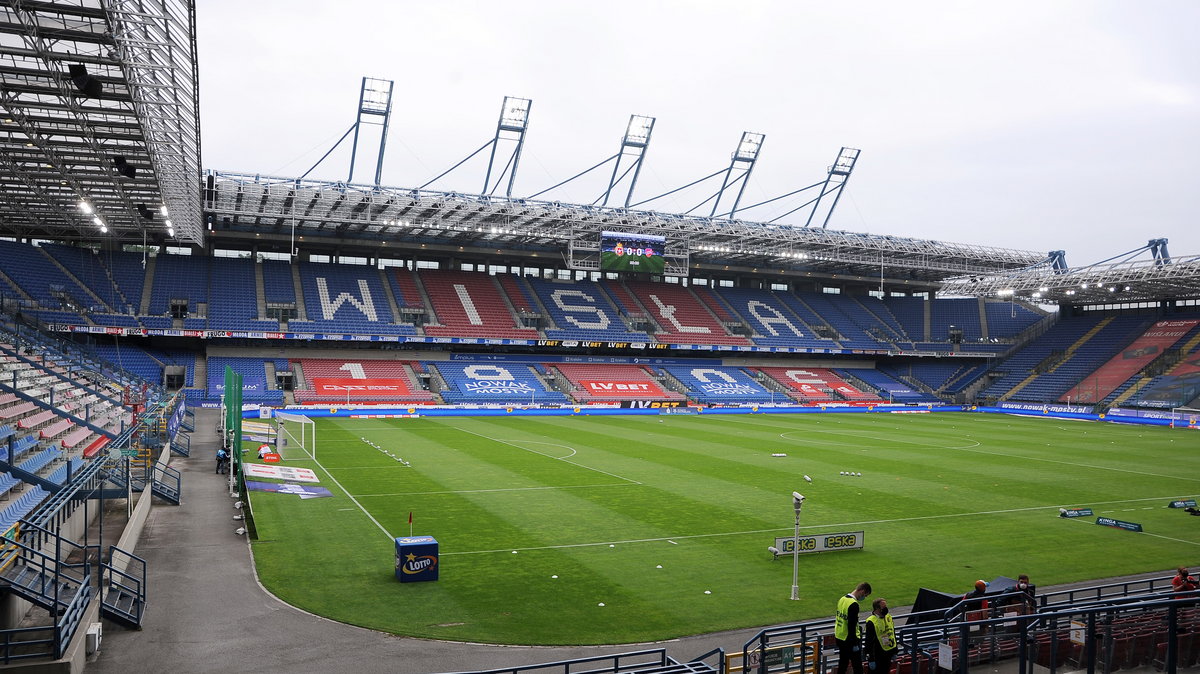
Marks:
<point>206,611</point>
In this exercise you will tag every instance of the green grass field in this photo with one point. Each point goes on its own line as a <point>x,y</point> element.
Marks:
<point>667,524</point>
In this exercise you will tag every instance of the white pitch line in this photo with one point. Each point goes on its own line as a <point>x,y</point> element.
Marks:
<point>488,491</point>
<point>534,451</point>
<point>1079,465</point>
<point>810,526</point>
<point>352,499</point>
<point>1177,540</point>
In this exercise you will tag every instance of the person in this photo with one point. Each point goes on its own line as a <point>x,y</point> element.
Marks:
<point>1182,582</point>
<point>845,629</point>
<point>1024,602</point>
<point>974,603</point>
<point>881,638</point>
<point>222,460</point>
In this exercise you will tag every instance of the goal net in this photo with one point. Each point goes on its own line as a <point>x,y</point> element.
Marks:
<point>1185,417</point>
<point>297,436</point>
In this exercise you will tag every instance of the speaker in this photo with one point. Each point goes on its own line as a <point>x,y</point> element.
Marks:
<point>145,212</point>
<point>87,85</point>
<point>125,168</point>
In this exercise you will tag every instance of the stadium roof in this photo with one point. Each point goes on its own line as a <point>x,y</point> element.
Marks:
<point>99,105</point>
<point>263,204</point>
<point>1113,283</point>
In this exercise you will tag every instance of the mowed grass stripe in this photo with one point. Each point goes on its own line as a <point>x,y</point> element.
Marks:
<point>707,482</point>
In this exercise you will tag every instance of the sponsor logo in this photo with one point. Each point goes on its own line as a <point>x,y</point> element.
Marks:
<point>413,564</point>
<point>1075,512</point>
<point>1118,524</point>
<point>727,389</point>
<point>848,540</point>
<point>497,387</point>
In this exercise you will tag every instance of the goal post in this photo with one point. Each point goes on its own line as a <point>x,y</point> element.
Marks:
<point>295,432</point>
<point>1185,417</point>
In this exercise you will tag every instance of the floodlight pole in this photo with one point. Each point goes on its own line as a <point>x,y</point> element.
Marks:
<point>797,504</point>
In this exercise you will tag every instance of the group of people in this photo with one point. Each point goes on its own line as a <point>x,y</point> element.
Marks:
<point>877,641</point>
<point>879,637</point>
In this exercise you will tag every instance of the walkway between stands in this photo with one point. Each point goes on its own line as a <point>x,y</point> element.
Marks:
<point>206,611</point>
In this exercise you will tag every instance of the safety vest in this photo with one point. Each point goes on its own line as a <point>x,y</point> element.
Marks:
<point>841,627</point>
<point>885,631</point>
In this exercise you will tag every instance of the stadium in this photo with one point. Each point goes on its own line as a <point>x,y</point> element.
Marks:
<point>464,428</point>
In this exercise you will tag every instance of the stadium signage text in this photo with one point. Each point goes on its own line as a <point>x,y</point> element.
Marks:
<point>849,540</point>
<point>1183,503</point>
<point>1119,524</point>
<point>652,404</point>
<point>1075,512</point>
<point>409,339</point>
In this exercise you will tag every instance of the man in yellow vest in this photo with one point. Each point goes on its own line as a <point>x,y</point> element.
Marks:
<point>845,629</point>
<point>881,638</point>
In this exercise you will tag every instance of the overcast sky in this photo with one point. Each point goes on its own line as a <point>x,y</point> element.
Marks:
<point>1033,125</point>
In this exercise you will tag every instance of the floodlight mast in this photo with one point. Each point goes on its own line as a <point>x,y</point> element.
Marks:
<point>634,144</point>
<point>374,100</point>
<point>835,181</point>
<point>514,121</point>
<point>742,160</point>
<point>797,504</point>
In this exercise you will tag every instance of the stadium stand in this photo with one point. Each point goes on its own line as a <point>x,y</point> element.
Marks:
<point>38,276</point>
<point>179,278</point>
<point>493,383</point>
<point>717,385</point>
<point>470,305</point>
<point>346,299</point>
<point>85,265</point>
<point>589,383</point>
<point>1008,319</point>
<point>681,318</point>
<point>582,311</point>
<point>232,303</point>
<point>361,381</point>
<point>812,384</point>
<point>961,313</point>
<point>1150,345</point>
<point>254,379</point>
<point>773,322</point>
<point>909,312</point>
<point>885,387</point>
<point>852,333</point>
<point>278,285</point>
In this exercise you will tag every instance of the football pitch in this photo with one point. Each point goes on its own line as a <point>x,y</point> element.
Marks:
<point>590,530</point>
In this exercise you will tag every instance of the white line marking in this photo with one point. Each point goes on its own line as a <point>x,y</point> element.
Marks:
<point>552,444</point>
<point>487,491</point>
<point>811,526</point>
<point>534,451</point>
<point>352,499</point>
<point>1177,540</point>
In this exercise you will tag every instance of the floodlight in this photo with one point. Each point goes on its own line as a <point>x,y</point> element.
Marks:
<point>749,146</point>
<point>170,231</point>
<point>98,222</point>
<point>85,207</point>
<point>1044,289</point>
<point>1084,286</point>
<point>638,131</point>
<point>163,210</point>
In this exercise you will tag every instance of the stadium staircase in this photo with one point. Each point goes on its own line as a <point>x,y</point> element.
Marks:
<point>148,285</point>
<point>1066,355</point>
